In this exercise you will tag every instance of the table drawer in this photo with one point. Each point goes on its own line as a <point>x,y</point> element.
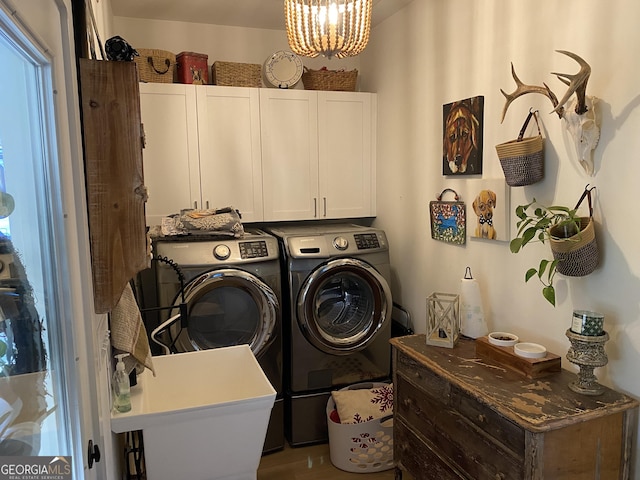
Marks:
<point>460,441</point>
<point>431,383</point>
<point>418,457</point>
<point>488,420</point>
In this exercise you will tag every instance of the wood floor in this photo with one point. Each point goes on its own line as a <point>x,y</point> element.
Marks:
<point>311,463</point>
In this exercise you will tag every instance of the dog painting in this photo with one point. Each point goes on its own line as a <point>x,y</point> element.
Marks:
<point>483,206</point>
<point>488,209</point>
<point>462,137</point>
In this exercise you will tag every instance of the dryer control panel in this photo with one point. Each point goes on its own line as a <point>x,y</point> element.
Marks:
<point>257,249</point>
<point>365,241</point>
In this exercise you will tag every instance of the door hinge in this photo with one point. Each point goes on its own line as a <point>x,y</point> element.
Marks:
<point>93,454</point>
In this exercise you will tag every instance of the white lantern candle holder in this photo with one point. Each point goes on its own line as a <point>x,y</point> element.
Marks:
<point>443,319</point>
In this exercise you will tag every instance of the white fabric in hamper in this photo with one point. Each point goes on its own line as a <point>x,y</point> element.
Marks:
<point>363,405</point>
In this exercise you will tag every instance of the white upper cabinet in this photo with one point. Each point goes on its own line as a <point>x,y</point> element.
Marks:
<point>318,154</point>
<point>275,155</point>
<point>289,126</point>
<point>230,158</point>
<point>170,157</point>
<point>346,154</point>
<point>202,149</point>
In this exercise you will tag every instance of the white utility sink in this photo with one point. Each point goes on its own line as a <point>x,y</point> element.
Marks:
<point>203,416</point>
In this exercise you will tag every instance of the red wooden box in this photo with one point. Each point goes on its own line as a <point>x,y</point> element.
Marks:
<point>192,68</point>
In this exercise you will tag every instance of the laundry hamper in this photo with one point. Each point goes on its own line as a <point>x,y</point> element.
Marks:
<point>365,447</point>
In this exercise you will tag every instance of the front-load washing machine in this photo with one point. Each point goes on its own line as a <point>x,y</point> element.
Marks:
<point>336,318</point>
<point>231,294</point>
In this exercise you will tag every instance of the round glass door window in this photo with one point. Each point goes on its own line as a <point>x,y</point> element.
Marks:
<point>224,308</point>
<point>342,305</point>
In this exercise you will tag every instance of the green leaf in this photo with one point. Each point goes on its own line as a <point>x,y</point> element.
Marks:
<point>552,271</point>
<point>515,245</point>
<point>560,208</point>
<point>549,293</point>
<point>528,235</point>
<point>530,273</point>
<point>542,267</point>
<point>543,223</point>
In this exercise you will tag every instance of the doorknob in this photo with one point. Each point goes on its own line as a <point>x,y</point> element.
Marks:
<point>93,454</point>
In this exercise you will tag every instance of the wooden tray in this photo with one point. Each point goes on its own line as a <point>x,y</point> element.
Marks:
<point>506,357</point>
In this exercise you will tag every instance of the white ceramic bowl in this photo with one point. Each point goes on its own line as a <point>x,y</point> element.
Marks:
<point>503,339</point>
<point>530,350</point>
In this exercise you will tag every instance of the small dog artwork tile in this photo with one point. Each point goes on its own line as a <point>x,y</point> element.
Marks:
<point>462,131</point>
<point>488,217</point>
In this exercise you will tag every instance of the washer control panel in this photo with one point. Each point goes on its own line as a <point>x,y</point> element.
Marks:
<point>366,241</point>
<point>255,249</point>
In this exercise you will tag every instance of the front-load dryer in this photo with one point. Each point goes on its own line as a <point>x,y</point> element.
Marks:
<point>230,289</point>
<point>336,318</point>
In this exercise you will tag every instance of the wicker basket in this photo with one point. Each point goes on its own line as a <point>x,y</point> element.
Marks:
<point>577,256</point>
<point>324,79</point>
<point>156,66</point>
<point>522,160</point>
<point>236,74</point>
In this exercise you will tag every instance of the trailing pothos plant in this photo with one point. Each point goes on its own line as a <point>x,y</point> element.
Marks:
<point>541,223</point>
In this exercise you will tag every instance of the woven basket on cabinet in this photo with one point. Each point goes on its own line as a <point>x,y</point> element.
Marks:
<point>324,79</point>
<point>236,74</point>
<point>155,66</point>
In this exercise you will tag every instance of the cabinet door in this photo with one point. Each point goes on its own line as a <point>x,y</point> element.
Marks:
<point>288,123</point>
<point>170,157</point>
<point>230,157</point>
<point>347,154</point>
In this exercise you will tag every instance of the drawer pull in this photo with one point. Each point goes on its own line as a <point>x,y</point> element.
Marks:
<point>482,418</point>
<point>417,375</point>
<point>500,476</point>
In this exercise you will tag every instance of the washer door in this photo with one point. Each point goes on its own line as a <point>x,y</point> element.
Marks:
<point>226,307</point>
<point>342,305</point>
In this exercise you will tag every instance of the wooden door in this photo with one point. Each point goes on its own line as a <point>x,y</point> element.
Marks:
<point>116,194</point>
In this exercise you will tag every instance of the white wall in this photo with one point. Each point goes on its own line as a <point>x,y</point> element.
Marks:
<point>434,52</point>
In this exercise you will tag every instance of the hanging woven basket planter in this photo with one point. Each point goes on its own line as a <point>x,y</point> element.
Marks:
<point>577,254</point>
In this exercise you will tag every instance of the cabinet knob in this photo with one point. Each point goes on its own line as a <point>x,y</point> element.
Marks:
<point>417,375</point>
<point>500,476</point>
<point>482,418</point>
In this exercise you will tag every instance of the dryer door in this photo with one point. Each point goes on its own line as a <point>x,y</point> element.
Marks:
<point>226,307</point>
<point>342,305</point>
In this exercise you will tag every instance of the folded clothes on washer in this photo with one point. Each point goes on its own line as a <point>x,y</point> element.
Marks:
<point>220,221</point>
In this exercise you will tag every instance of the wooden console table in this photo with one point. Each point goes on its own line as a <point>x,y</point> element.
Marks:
<point>461,417</point>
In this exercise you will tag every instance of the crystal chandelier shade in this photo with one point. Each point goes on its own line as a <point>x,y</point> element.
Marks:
<point>333,28</point>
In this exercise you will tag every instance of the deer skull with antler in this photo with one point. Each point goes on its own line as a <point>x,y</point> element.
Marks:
<point>579,115</point>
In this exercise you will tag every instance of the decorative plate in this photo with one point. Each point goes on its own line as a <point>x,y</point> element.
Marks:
<point>283,69</point>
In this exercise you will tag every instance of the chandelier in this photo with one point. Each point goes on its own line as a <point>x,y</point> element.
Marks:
<point>333,28</point>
